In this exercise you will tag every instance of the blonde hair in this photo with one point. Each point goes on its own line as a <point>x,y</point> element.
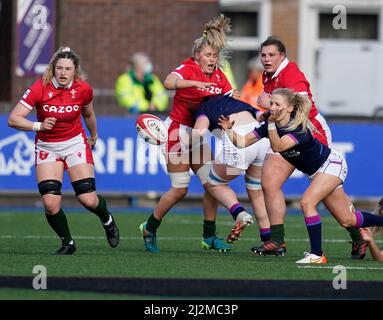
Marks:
<point>214,35</point>
<point>300,114</point>
<point>63,53</point>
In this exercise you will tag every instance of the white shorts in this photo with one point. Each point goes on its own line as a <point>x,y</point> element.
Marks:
<point>243,158</point>
<point>335,165</point>
<point>72,152</point>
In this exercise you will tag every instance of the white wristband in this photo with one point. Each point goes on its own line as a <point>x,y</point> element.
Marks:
<point>36,126</point>
<point>271,126</point>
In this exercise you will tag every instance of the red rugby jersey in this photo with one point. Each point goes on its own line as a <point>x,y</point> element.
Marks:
<point>65,104</point>
<point>289,76</point>
<point>186,101</point>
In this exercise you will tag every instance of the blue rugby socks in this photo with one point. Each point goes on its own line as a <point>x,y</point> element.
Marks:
<point>314,228</point>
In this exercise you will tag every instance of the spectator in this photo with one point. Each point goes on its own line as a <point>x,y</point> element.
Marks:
<point>253,86</point>
<point>228,71</point>
<point>138,89</point>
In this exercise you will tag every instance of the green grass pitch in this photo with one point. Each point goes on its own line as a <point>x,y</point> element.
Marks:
<point>27,240</point>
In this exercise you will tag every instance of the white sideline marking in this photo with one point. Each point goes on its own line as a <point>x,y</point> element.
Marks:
<point>332,267</point>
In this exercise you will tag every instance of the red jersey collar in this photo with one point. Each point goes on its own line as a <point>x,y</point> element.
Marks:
<point>283,65</point>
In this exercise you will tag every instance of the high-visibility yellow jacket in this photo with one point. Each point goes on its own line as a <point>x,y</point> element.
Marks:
<point>228,71</point>
<point>137,96</point>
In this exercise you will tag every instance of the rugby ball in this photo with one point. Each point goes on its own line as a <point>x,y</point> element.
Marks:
<point>151,129</point>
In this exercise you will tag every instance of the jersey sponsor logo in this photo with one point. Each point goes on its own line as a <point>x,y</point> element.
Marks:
<point>212,90</point>
<point>79,154</point>
<point>60,109</point>
<point>50,94</point>
<point>26,93</point>
<point>291,153</point>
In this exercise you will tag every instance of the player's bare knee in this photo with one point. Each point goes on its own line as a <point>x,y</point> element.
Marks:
<point>209,186</point>
<point>268,187</point>
<point>88,200</point>
<point>52,207</point>
<point>270,184</point>
<point>179,193</point>
<point>348,222</point>
<point>307,205</point>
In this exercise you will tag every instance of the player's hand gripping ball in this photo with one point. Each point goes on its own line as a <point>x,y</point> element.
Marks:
<point>151,129</point>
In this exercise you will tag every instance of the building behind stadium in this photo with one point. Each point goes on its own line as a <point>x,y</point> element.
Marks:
<point>105,33</point>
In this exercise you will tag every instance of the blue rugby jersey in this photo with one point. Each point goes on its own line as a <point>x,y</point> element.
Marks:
<point>307,155</point>
<point>214,106</point>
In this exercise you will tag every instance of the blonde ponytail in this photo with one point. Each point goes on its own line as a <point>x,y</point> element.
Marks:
<point>214,35</point>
